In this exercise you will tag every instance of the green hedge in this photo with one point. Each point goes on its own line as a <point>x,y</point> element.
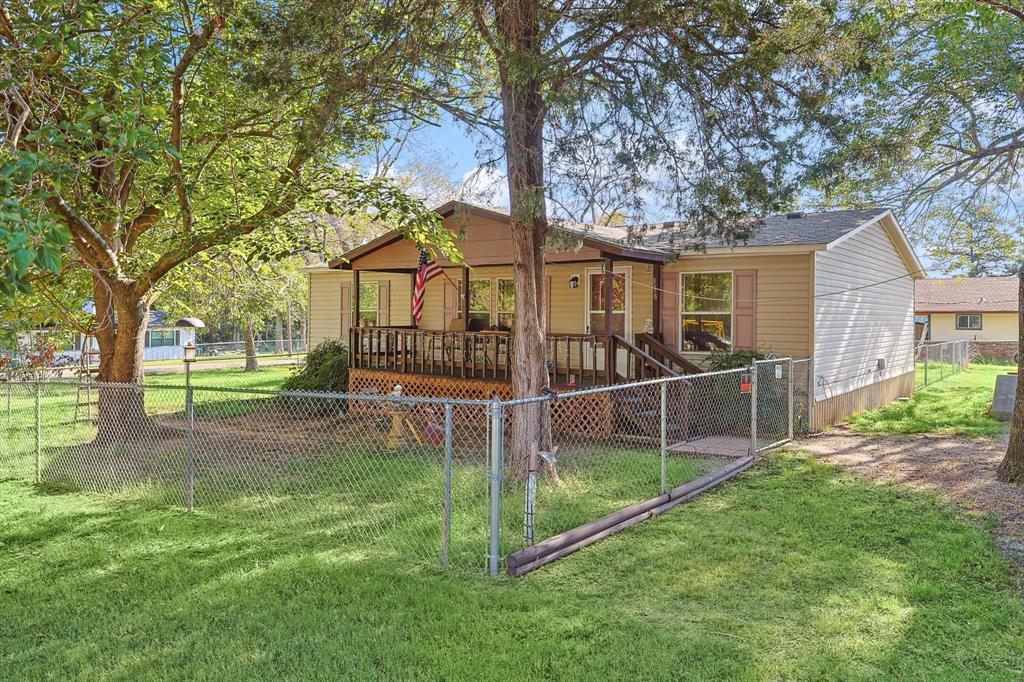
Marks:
<point>326,369</point>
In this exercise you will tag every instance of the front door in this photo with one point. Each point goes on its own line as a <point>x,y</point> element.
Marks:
<point>596,315</point>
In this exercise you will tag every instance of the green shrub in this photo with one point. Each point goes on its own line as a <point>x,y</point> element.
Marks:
<point>720,360</point>
<point>326,369</point>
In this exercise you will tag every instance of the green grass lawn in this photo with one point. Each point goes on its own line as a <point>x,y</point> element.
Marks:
<point>793,571</point>
<point>269,377</point>
<point>958,405</point>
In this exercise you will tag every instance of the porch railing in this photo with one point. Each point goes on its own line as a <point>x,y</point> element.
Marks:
<point>572,359</point>
<point>469,355</point>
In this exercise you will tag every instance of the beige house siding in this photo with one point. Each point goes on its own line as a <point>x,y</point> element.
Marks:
<point>863,312</point>
<point>994,327</point>
<point>783,295</point>
<point>568,306</point>
<point>325,305</point>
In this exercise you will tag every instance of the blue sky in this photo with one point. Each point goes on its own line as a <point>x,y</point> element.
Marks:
<point>458,149</point>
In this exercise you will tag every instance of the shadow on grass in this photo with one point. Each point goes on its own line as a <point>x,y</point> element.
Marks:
<point>793,571</point>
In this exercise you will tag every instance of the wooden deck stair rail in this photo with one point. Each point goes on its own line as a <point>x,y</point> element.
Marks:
<point>669,356</point>
<point>645,366</point>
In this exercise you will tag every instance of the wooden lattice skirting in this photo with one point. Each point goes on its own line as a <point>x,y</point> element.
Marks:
<point>585,415</point>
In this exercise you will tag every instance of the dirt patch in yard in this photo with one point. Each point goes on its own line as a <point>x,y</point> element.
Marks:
<point>963,469</point>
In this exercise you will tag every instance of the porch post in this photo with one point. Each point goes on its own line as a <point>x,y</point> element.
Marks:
<point>465,296</point>
<point>355,298</point>
<point>609,354</point>
<point>656,301</point>
<point>412,287</point>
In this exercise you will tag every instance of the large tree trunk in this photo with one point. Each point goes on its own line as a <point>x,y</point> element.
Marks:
<point>251,364</point>
<point>518,26</point>
<point>122,317</point>
<point>1011,469</point>
<point>278,335</point>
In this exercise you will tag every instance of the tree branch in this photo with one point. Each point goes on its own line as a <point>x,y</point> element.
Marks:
<point>196,42</point>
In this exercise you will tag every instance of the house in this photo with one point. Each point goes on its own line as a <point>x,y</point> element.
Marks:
<point>982,310</point>
<point>838,286</point>
<point>163,340</point>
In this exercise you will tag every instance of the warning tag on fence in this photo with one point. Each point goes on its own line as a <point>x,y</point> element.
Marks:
<point>745,383</point>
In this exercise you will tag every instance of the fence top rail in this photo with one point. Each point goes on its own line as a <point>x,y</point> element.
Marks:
<point>367,397</point>
<point>685,378</point>
<point>388,398</point>
<point>942,343</point>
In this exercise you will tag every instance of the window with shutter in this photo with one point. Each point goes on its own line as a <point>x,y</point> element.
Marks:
<point>706,311</point>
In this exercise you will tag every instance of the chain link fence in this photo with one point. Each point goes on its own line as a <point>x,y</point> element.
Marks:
<point>162,368</point>
<point>424,480</point>
<point>940,360</point>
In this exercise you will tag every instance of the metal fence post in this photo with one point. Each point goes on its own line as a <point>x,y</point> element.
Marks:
<point>753,408</point>
<point>496,414</point>
<point>790,397</point>
<point>810,394</point>
<point>190,458</point>
<point>39,433</point>
<point>664,438</point>
<point>446,524</point>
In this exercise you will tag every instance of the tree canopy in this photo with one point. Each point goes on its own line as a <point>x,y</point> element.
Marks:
<point>144,135</point>
<point>938,115</point>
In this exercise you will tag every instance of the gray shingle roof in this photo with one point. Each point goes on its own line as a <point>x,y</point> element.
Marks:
<point>779,230</point>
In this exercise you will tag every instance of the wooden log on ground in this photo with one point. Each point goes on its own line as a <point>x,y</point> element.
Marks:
<point>531,558</point>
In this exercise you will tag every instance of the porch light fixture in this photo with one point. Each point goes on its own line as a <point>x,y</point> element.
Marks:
<point>574,282</point>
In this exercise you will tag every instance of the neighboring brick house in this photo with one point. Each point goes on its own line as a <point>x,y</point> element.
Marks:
<point>979,309</point>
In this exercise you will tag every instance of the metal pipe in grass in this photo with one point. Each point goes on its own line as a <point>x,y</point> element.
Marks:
<point>531,558</point>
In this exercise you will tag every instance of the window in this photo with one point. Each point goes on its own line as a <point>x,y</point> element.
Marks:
<point>597,312</point>
<point>706,315</point>
<point>479,303</point>
<point>158,338</point>
<point>968,322</point>
<point>369,303</point>
<point>506,303</point>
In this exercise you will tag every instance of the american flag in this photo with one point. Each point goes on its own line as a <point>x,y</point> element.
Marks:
<point>428,270</point>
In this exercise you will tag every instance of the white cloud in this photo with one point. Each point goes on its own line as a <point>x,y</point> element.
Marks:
<point>486,185</point>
